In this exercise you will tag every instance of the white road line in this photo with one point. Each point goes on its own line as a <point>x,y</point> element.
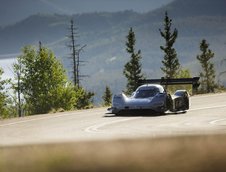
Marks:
<point>212,107</point>
<point>43,118</point>
<point>96,128</point>
<point>208,95</point>
<point>30,120</point>
<point>216,121</point>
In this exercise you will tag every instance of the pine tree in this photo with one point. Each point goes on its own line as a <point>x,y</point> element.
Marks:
<point>107,97</point>
<point>207,76</point>
<point>132,69</point>
<point>170,62</point>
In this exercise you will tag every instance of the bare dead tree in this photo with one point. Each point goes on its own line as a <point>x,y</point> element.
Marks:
<point>75,55</point>
<point>73,46</point>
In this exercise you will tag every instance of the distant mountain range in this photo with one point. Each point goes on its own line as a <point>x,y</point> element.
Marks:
<point>12,11</point>
<point>104,33</point>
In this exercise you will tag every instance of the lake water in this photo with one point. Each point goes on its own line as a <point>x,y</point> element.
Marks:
<point>6,65</point>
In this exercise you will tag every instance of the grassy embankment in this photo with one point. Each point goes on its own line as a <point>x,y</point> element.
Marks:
<point>187,154</point>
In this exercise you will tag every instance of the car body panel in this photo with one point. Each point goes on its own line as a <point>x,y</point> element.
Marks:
<point>150,97</point>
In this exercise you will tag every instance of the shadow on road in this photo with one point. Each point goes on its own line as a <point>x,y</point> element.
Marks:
<point>143,113</point>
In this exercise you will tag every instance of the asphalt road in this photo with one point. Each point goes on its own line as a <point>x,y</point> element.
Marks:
<point>207,115</point>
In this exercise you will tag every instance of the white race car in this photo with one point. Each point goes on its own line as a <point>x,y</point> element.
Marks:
<point>150,97</point>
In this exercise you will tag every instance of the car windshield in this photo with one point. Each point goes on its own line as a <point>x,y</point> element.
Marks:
<point>146,93</point>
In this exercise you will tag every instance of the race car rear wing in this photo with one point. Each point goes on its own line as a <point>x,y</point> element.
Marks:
<point>173,81</point>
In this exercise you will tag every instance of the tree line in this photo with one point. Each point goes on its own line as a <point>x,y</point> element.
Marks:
<point>41,84</point>
<point>171,66</point>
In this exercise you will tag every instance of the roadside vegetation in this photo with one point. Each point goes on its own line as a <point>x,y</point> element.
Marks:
<point>41,84</point>
<point>175,154</point>
<point>107,97</point>
<point>171,66</point>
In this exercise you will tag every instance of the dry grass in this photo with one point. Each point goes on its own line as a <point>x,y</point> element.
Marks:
<point>187,154</point>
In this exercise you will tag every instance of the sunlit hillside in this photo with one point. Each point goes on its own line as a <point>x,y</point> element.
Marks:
<point>105,33</point>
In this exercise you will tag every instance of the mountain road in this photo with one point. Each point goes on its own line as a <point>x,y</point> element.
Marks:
<point>207,115</point>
